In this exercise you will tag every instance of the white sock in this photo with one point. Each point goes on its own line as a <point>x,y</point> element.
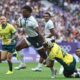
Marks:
<point>61,70</point>
<point>39,65</point>
<point>21,58</point>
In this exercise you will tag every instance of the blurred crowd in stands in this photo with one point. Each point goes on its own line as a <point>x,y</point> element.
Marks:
<point>65,16</point>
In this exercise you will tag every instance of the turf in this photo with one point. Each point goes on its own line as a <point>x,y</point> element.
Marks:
<point>27,74</point>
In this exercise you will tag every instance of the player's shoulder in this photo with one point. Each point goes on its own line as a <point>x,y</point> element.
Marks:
<point>56,46</point>
<point>32,18</point>
<point>50,22</point>
<point>9,25</point>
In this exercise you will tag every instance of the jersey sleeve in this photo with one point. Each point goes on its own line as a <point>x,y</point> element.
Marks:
<point>32,23</point>
<point>35,24</point>
<point>13,30</point>
<point>50,25</point>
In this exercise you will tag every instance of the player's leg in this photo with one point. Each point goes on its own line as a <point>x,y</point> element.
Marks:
<point>39,66</point>
<point>41,51</point>
<point>19,48</point>
<point>76,74</point>
<point>61,70</point>
<point>9,57</point>
<point>3,55</point>
<point>22,64</point>
<point>53,70</point>
<point>10,50</point>
<point>43,56</point>
<point>50,63</point>
<point>35,42</point>
<point>71,71</point>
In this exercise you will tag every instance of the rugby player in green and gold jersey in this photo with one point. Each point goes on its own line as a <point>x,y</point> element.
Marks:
<point>65,59</point>
<point>7,32</point>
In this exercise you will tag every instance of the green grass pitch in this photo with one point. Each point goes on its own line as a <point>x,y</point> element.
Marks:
<point>27,74</point>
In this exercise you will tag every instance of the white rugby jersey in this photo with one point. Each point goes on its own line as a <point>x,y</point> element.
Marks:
<point>48,25</point>
<point>29,24</point>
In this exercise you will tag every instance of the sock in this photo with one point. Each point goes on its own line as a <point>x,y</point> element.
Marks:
<point>53,73</point>
<point>61,70</point>
<point>21,58</point>
<point>39,65</point>
<point>10,65</point>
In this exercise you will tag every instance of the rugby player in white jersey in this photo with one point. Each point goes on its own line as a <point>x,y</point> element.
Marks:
<point>34,36</point>
<point>31,27</point>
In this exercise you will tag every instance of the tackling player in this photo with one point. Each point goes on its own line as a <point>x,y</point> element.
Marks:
<point>65,59</point>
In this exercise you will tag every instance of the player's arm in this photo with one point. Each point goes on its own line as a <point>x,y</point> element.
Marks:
<point>14,36</point>
<point>13,33</point>
<point>52,32</point>
<point>51,29</point>
<point>39,33</point>
<point>50,59</point>
<point>19,23</point>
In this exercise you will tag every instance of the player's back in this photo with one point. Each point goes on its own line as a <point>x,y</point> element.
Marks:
<point>60,55</point>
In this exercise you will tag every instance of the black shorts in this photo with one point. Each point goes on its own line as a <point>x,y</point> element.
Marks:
<point>37,44</point>
<point>35,41</point>
<point>69,69</point>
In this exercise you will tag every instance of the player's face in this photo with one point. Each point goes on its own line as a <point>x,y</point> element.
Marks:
<point>3,20</point>
<point>25,13</point>
<point>46,17</point>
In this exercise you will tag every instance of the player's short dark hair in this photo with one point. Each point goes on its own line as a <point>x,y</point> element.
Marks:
<point>27,8</point>
<point>48,14</point>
